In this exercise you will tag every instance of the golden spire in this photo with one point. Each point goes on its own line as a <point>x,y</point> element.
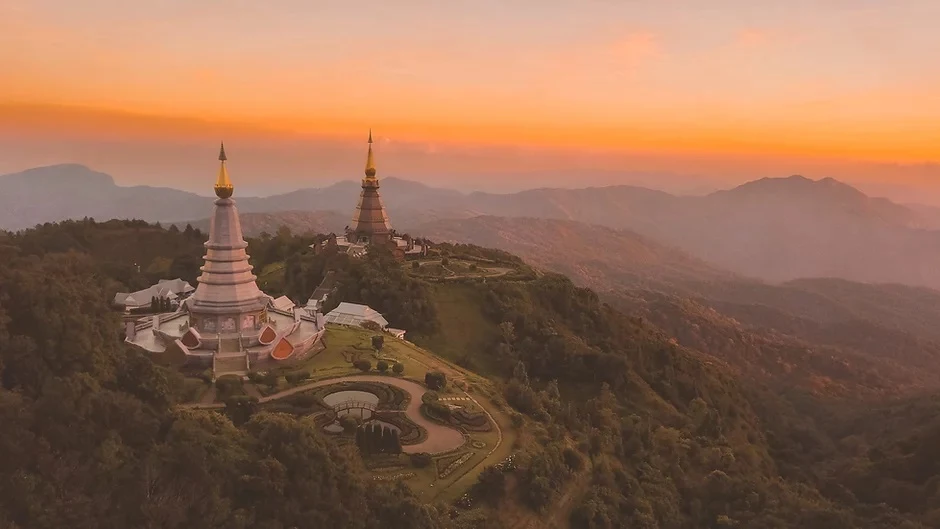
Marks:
<point>223,186</point>
<point>370,160</point>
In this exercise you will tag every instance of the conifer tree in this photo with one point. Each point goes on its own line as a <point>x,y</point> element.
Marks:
<point>396,442</point>
<point>384,438</point>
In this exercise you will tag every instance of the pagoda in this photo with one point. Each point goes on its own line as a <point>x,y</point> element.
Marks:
<point>228,321</point>
<point>227,300</point>
<point>370,223</point>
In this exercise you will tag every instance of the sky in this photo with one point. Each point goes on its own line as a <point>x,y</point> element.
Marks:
<point>477,94</point>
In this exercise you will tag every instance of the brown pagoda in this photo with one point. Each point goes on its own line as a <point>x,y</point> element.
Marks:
<point>370,223</point>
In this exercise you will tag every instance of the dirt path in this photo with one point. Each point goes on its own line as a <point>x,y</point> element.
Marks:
<point>440,438</point>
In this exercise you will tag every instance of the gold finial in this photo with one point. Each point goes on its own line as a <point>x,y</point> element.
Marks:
<point>370,160</point>
<point>223,186</point>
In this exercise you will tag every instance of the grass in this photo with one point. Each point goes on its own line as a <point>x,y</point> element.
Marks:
<point>464,332</point>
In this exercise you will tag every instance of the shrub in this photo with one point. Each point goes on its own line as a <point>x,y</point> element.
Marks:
<point>473,267</point>
<point>206,376</point>
<point>435,380</point>
<point>363,365</point>
<point>377,342</point>
<point>255,377</point>
<point>371,325</point>
<point>415,265</point>
<point>421,459</point>
<point>436,409</point>
<point>306,400</point>
<point>382,366</point>
<point>228,385</point>
<point>269,379</point>
<point>398,368</point>
<point>296,377</point>
<point>445,261</point>
<point>429,397</point>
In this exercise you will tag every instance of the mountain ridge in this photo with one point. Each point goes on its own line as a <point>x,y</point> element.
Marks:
<point>776,229</point>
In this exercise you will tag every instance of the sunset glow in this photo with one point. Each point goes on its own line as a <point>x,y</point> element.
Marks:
<point>836,80</point>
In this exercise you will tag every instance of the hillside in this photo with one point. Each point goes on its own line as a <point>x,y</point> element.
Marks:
<point>619,424</point>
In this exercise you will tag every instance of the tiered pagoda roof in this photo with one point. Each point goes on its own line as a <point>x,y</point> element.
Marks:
<point>370,221</point>
<point>227,284</point>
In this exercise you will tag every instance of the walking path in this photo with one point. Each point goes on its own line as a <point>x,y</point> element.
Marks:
<point>440,438</point>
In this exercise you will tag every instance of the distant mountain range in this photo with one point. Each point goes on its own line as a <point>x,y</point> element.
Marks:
<point>776,229</point>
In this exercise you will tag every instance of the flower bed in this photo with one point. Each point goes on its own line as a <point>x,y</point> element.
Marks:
<point>447,465</point>
<point>395,477</point>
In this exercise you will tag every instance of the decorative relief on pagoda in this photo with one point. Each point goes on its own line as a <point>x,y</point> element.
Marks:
<point>227,324</point>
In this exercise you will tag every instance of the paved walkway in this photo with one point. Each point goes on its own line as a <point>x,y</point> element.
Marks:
<point>440,438</point>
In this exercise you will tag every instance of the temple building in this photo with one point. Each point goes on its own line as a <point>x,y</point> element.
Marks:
<point>228,322</point>
<point>370,225</point>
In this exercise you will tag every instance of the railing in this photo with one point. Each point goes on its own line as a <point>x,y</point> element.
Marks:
<point>354,405</point>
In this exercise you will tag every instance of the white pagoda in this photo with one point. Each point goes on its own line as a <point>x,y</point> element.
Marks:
<point>229,322</point>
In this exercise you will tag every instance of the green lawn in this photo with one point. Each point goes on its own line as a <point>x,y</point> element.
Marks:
<point>464,332</point>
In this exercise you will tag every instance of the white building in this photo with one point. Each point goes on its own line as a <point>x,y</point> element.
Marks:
<point>355,314</point>
<point>172,289</point>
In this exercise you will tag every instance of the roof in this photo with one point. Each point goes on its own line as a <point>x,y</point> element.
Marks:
<point>165,288</point>
<point>176,285</point>
<point>326,286</point>
<point>283,303</point>
<point>354,314</point>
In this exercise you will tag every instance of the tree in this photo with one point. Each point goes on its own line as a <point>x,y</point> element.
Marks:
<point>154,304</point>
<point>395,442</point>
<point>349,423</point>
<point>186,267</point>
<point>398,368</point>
<point>382,366</point>
<point>415,265</point>
<point>377,342</point>
<point>491,485</point>
<point>445,261</point>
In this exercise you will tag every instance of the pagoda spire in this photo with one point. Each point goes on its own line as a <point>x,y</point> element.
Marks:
<point>370,159</point>
<point>223,185</point>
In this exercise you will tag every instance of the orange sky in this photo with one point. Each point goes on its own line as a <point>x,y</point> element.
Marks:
<point>719,93</point>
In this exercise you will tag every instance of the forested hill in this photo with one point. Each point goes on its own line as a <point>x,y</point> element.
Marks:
<point>620,425</point>
<point>90,437</point>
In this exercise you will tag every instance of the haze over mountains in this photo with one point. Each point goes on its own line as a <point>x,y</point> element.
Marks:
<point>773,229</point>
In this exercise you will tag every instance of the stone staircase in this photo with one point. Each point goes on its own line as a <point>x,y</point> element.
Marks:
<point>230,359</point>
